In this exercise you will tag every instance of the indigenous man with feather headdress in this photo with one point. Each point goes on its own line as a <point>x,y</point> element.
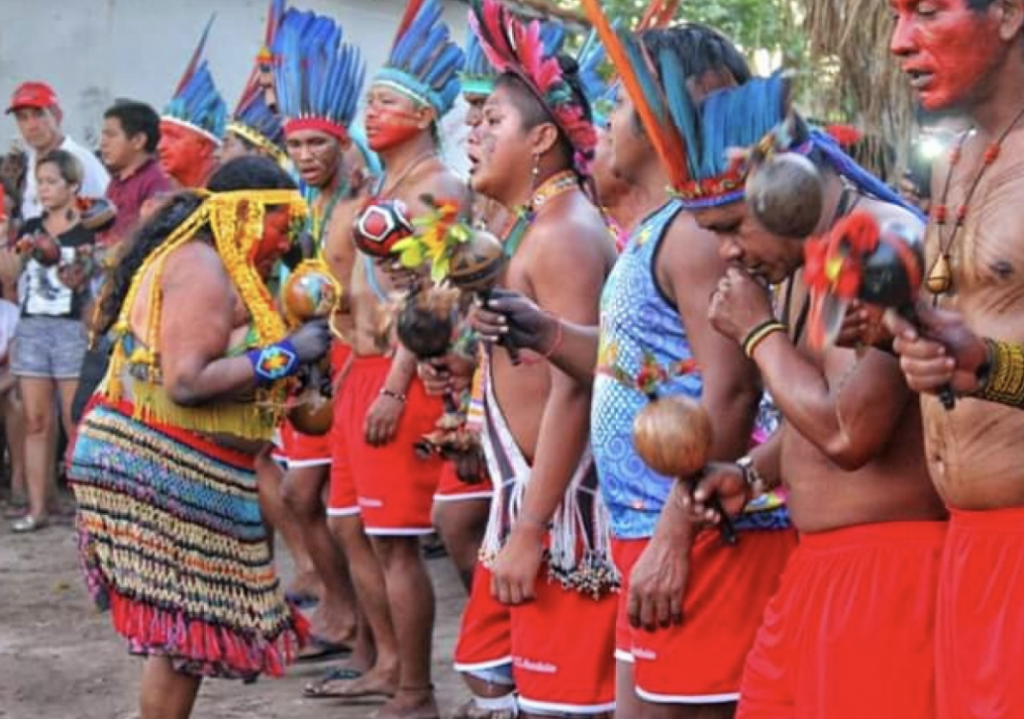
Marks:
<point>653,310</point>
<point>384,410</point>
<point>192,126</point>
<point>968,56</point>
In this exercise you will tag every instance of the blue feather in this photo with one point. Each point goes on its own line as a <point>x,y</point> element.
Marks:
<point>425,54</point>
<point>552,36</point>
<point>196,100</point>
<point>320,75</point>
<point>680,105</point>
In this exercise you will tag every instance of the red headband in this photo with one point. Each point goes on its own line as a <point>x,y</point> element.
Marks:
<point>316,123</point>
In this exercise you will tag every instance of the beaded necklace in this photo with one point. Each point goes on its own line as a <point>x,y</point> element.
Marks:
<point>551,188</point>
<point>940,277</point>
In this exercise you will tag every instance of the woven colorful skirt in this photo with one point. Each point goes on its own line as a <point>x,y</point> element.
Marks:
<point>173,544</point>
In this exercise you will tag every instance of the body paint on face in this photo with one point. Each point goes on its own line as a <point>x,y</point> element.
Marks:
<point>946,48</point>
<point>387,128</point>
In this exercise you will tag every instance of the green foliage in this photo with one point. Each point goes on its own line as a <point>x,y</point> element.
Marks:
<point>752,24</point>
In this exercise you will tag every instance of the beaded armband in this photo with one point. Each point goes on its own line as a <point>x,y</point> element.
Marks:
<point>1003,376</point>
<point>273,362</point>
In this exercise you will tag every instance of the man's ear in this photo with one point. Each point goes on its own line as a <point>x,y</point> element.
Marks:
<point>425,116</point>
<point>1011,21</point>
<point>138,141</point>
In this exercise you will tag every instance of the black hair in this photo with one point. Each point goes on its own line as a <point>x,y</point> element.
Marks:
<point>242,173</point>
<point>979,5</point>
<point>252,172</point>
<point>698,49</point>
<point>534,112</point>
<point>137,118</point>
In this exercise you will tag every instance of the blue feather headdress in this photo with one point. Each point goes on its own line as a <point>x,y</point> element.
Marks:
<point>196,104</point>
<point>755,120</point>
<point>479,75</point>
<point>424,63</point>
<point>596,76</point>
<point>319,77</point>
<point>255,118</point>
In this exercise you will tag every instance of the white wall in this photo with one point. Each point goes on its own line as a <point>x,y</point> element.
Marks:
<point>93,51</point>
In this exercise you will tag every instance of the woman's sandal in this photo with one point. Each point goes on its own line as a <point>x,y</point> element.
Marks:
<point>28,523</point>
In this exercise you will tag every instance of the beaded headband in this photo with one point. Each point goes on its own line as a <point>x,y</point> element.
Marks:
<point>255,118</point>
<point>424,63</point>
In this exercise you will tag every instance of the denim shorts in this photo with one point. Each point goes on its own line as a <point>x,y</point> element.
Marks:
<point>50,347</point>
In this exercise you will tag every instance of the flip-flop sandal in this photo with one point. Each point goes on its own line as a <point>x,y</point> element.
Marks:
<point>323,650</point>
<point>338,674</point>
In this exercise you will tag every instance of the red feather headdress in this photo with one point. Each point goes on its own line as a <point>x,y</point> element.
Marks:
<point>517,48</point>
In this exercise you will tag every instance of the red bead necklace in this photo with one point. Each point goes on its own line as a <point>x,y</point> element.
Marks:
<point>940,277</point>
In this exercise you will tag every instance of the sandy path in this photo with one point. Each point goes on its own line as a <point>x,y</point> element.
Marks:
<point>59,658</point>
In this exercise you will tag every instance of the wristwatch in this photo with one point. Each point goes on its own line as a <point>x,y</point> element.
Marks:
<point>751,476</point>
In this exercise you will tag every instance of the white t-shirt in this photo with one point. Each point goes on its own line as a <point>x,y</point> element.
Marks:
<point>94,178</point>
<point>9,314</point>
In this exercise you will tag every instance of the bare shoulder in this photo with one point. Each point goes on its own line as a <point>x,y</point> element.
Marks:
<point>197,267</point>
<point>570,241</point>
<point>684,238</point>
<point>438,181</point>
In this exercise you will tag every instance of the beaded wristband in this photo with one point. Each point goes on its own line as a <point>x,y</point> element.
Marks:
<point>273,362</point>
<point>1004,378</point>
<point>385,392</point>
<point>759,334</point>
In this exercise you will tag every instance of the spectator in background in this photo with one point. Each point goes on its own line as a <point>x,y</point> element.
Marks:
<point>128,144</point>
<point>38,114</point>
<point>50,339</point>
<point>13,168</point>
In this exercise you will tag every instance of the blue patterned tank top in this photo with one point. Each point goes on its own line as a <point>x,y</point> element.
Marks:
<point>637,320</point>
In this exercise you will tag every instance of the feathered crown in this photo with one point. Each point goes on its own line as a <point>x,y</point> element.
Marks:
<point>320,77</point>
<point>739,117</point>
<point>478,75</point>
<point>255,118</point>
<point>516,48</point>
<point>424,62</point>
<point>596,71</point>
<point>741,126</point>
<point>196,104</point>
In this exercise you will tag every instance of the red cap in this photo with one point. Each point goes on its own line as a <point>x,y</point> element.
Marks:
<point>33,94</point>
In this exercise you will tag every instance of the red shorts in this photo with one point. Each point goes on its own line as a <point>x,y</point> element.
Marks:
<point>394,488</point>
<point>559,645</point>
<point>453,489</point>
<point>979,641</point>
<point>303,450</point>
<point>701,661</point>
<point>850,633</point>
<point>485,637</point>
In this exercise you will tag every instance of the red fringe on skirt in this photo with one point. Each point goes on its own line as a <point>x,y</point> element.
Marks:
<point>196,647</point>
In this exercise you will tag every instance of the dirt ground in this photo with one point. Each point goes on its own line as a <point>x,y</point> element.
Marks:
<point>60,659</point>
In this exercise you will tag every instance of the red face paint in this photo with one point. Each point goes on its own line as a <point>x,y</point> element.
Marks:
<point>945,48</point>
<point>388,128</point>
